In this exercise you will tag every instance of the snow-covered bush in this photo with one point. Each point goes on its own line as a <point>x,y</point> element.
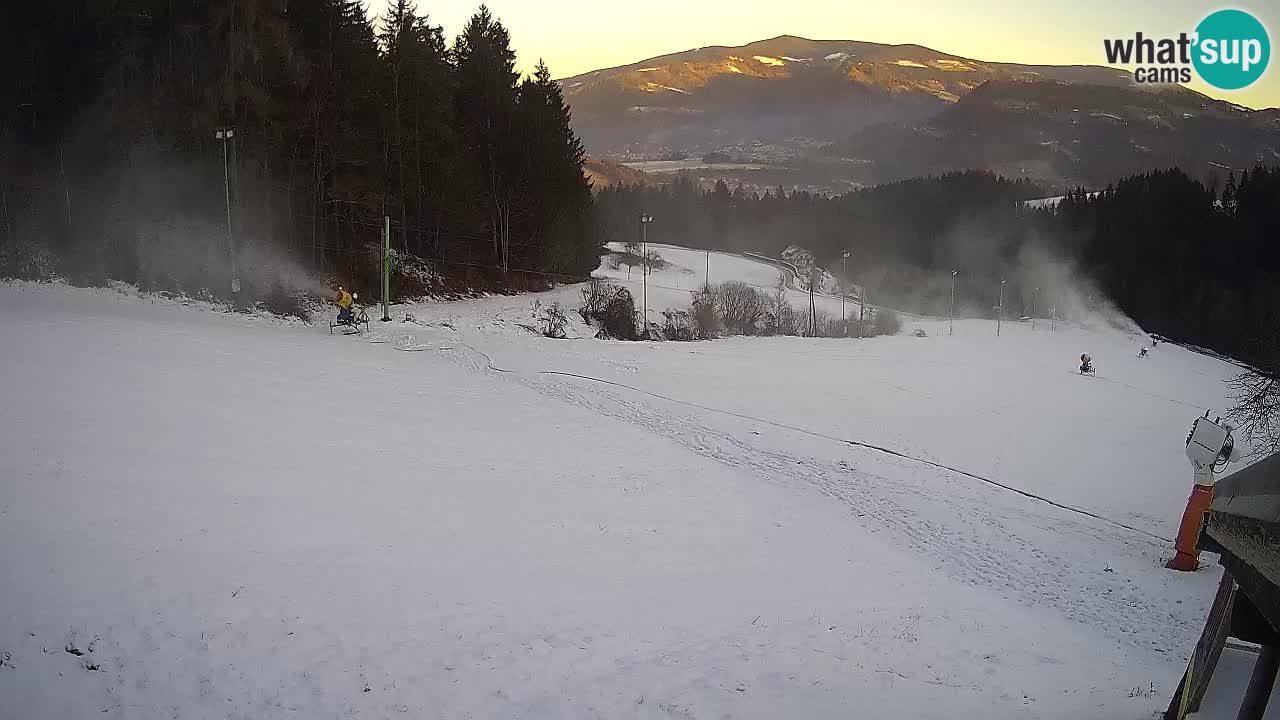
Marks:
<point>26,260</point>
<point>611,308</point>
<point>594,297</point>
<point>411,276</point>
<point>706,323</point>
<point>678,325</point>
<point>618,319</point>
<point>553,321</point>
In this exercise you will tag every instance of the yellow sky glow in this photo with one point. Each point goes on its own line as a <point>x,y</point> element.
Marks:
<point>576,36</point>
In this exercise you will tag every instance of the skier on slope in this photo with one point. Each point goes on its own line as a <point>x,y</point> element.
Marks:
<point>1086,364</point>
<point>344,300</point>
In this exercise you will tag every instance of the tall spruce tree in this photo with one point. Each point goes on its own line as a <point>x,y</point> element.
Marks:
<point>485,108</point>
<point>421,117</point>
<point>556,196</point>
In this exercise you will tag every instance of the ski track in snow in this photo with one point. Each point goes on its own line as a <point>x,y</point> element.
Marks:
<point>948,518</point>
<point>979,535</point>
<point>449,657</point>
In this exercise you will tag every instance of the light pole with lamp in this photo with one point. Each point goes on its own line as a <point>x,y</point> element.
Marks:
<point>645,219</point>
<point>951,320</point>
<point>225,135</point>
<point>1000,308</point>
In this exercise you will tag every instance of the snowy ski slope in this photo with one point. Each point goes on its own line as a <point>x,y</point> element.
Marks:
<point>672,287</point>
<point>232,516</point>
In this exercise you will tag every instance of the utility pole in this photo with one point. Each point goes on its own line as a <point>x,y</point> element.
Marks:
<point>862,310</point>
<point>1000,308</point>
<point>235,177</point>
<point>813,312</point>
<point>844,290</point>
<point>225,135</point>
<point>1033,307</point>
<point>645,219</point>
<point>386,266</point>
<point>951,320</point>
<point>66,185</point>
<point>4,204</point>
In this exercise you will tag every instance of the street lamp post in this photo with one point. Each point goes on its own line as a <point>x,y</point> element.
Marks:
<point>645,219</point>
<point>225,135</point>
<point>844,290</point>
<point>951,320</point>
<point>1000,308</point>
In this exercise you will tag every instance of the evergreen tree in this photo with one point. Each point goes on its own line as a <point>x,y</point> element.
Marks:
<point>336,125</point>
<point>555,189</point>
<point>485,107</point>
<point>422,143</point>
<point>1152,242</point>
<point>1229,194</point>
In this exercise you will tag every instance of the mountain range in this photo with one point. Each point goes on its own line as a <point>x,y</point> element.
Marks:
<point>832,114</point>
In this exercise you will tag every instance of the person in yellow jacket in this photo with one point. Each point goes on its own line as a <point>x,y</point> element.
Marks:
<point>345,300</point>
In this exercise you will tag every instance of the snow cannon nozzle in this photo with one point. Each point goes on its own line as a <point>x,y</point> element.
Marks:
<point>1211,443</point>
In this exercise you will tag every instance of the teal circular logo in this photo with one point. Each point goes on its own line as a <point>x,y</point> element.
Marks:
<point>1232,49</point>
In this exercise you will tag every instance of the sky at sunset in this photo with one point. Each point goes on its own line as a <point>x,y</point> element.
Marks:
<point>575,36</point>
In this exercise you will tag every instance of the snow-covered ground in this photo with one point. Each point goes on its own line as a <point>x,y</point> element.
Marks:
<point>673,286</point>
<point>228,516</point>
<point>1052,201</point>
<point>658,167</point>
